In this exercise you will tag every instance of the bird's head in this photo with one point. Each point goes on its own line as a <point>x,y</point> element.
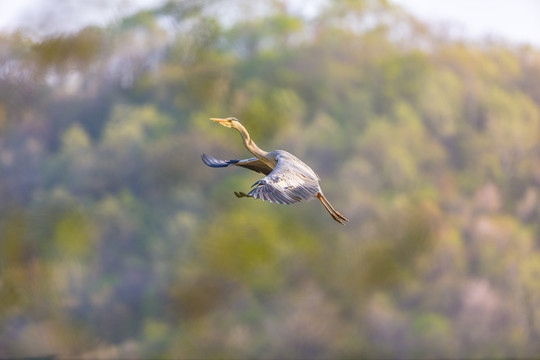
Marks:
<point>228,122</point>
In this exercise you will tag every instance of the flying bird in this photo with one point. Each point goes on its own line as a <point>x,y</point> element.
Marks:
<point>288,179</point>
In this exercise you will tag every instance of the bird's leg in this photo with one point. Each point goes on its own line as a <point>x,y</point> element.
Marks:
<point>329,210</point>
<point>335,214</point>
<point>241,194</point>
<point>334,210</point>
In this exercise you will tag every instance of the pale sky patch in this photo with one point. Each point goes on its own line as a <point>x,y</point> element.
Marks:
<point>515,21</point>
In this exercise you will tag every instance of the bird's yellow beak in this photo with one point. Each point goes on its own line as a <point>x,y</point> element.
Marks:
<point>224,122</point>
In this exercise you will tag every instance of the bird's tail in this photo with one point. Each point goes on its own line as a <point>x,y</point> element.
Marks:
<point>333,212</point>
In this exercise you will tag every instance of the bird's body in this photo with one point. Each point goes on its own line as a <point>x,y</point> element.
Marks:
<point>288,179</point>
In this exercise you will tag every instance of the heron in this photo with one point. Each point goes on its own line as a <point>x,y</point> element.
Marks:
<point>288,179</point>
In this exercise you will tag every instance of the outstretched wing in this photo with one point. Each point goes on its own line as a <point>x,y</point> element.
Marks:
<point>253,164</point>
<point>290,182</point>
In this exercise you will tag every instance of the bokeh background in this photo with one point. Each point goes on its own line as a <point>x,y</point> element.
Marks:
<point>116,241</point>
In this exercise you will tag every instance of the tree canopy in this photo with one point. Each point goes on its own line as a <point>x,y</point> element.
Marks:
<point>116,241</point>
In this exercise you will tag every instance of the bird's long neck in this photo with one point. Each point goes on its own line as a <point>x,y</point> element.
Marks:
<point>250,145</point>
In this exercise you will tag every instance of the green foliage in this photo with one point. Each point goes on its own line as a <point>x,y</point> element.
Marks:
<point>441,102</point>
<point>117,242</point>
<point>135,125</point>
<point>75,139</point>
<point>61,53</point>
<point>252,249</point>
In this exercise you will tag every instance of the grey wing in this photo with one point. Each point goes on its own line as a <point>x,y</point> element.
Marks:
<point>290,182</point>
<point>253,164</point>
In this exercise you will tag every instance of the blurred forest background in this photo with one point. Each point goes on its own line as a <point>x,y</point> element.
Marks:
<point>116,241</point>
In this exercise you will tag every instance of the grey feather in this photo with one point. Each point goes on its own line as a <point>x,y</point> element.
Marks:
<point>290,182</point>
<point>252,164</point>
